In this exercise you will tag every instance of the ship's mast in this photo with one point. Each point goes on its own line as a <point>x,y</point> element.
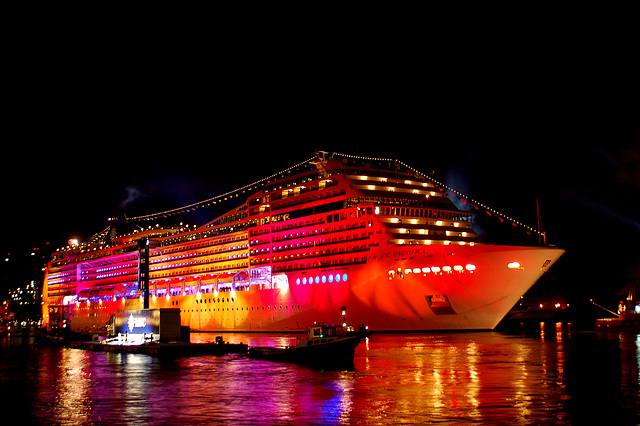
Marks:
<point>321,162</point>
<point>542,236</point>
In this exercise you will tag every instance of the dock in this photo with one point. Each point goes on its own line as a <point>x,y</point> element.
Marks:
<point>168,350</point>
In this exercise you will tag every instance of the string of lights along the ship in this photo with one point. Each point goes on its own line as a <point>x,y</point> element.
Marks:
<point>372,235</point>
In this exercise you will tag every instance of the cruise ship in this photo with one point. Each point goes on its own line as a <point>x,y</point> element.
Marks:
<point>370,235</point>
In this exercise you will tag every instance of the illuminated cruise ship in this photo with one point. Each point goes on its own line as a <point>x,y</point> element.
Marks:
<point>372,235</point>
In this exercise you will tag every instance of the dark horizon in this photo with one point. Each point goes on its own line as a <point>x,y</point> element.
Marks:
<point>508,128</point>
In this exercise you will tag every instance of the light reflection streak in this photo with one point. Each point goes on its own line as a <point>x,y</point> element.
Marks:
<point>73,388</point>
<point>135,390</point>
<point>638,355</point>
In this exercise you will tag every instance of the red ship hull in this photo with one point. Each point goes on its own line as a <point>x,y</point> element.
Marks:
<point>455,299</point>
<point>386,243</point>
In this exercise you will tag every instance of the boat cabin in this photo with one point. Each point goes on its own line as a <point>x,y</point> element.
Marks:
<point>327,330</point>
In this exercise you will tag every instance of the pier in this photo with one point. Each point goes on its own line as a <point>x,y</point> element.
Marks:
<point>169,350</point>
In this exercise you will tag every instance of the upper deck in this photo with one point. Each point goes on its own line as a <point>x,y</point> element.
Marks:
<point>327,212</point>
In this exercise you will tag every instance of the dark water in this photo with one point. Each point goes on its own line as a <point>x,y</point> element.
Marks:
<point>546,375</point>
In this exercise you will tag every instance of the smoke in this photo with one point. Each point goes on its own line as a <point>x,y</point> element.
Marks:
<point>459,179</point>
<point>133,194</point>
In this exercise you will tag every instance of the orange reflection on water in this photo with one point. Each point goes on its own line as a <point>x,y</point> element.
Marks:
<point>67,386</point>
<point>551,376</point>
<point>453,377</point>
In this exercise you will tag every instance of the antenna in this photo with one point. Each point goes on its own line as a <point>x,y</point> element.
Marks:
<point>542,236</point>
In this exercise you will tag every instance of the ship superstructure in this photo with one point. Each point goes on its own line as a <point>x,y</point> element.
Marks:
<point>371,234</point>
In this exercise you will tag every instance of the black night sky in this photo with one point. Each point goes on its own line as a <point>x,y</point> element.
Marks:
<point>134,133</point>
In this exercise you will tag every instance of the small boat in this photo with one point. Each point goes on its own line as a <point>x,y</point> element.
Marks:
<point>325,346</point>
<point>626,319</point>
<point>628,316</point>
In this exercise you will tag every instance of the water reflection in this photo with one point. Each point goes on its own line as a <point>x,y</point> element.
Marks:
<point>550,374</point>
<point>73,388</point>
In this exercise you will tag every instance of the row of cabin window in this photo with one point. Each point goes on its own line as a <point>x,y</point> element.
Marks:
<point>258,308</point>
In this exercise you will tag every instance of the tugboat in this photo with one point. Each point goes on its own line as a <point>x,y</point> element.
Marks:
<point>628,316</point>
<point>326,346</point>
